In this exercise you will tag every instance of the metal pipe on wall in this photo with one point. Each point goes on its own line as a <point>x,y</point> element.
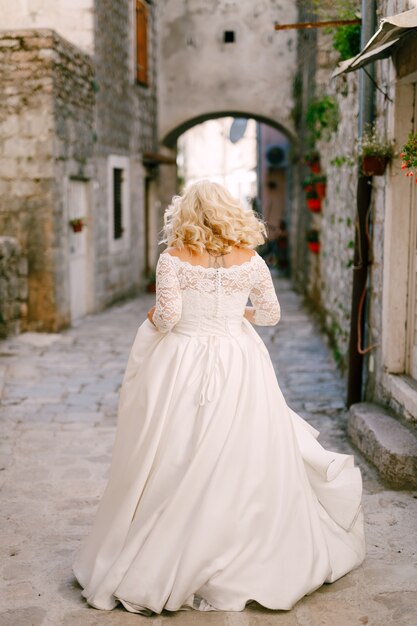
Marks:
<point>363,199</point>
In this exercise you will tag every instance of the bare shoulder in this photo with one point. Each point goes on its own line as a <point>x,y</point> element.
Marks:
<point>245,254</point>
<point>183,255</point>
<point>173,252</point>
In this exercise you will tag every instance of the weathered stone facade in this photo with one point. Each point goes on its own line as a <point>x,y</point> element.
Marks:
<point>222,57</point>
<point>13,287</point>
<point>70,119</point>
<point>46,113</point>
<point>326,278</point>
<point>385,435</point>
<point>126,126</point>
<point>337,224</point>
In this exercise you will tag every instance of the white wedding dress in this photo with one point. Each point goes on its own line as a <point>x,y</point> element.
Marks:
<point>219,494</point>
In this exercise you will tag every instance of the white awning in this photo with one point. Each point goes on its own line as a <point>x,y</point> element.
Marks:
<point>382,44</point>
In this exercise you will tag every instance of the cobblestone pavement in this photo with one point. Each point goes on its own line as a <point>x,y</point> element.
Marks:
<point>58,421</point>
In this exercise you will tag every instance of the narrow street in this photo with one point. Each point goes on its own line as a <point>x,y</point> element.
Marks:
<point>59,398</point>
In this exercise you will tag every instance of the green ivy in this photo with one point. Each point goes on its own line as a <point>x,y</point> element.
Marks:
<point>347,40</point>
<point>322,117</point>
<point>340,160</point>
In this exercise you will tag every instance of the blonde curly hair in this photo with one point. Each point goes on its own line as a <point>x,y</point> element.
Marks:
<point>207,216</point>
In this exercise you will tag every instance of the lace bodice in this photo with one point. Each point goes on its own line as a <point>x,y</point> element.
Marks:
<point>193,292</point>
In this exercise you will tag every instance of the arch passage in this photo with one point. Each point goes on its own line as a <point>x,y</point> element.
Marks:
<point>202,76</point>
<point>170,139</point>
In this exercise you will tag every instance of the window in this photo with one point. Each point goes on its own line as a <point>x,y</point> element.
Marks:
<point>141,42</point>
<point>117,203</point>
<point>229,36</point>
<point>118,194</point>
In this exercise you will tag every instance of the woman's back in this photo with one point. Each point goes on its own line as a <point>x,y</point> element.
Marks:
<point>191,290</point>
<point>236,256</point>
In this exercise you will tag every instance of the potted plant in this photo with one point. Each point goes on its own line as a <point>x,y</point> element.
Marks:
<point>315,182</point>
<point>375,152</point>
<point>312,160</point>
<point>313,240</point>
<point>320,181</point>
<point>313,201</point>
<point>408,155</point>
<point>77,224</point>
<point>308,183</point>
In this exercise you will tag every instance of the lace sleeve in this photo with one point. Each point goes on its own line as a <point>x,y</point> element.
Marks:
<point>168,295</point>
<point>263,296</point>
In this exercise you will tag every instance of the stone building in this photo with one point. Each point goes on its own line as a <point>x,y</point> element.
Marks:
<point>223,58</point>
<point>383,426</point>
<point>84,136</point>
<point>78,141</point>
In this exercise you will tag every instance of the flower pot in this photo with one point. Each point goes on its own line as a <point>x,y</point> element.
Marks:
<point>314,204</point>
<point>374,165</point>
<point>314,246</point>
<point>76,228</point>
<point>320,189</point>
<point>314,167</point>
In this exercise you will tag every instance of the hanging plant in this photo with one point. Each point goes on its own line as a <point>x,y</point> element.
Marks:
<point>347,40</point>
<point>313,240</point>
<point>315,182</point>
<point>408,156</point>
<point>322,117</point>
<point>320,184</point>
<point>77,224</point>
<point>308,184</point>
<point>375,151</point>
<point>313,201</point>
<point>312,160</point>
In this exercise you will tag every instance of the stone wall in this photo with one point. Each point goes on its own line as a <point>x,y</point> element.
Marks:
<point>72,19</point>
<point>304,265</point>
<point>64,115</point>
<point>200,74</point>
<point>13,287</point>
<point>337,223</point>
<point>326,279</point>
<point>46,114</point>
<point>125,126</point>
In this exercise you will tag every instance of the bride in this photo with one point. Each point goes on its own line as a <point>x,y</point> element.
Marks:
<point>219,494</point>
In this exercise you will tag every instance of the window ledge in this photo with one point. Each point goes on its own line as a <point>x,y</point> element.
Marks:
<point>403,389</point>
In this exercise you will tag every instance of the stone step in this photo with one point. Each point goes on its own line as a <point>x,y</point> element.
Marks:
<point>384,441</point>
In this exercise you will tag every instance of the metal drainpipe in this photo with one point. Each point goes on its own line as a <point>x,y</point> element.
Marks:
<point>363,199</point>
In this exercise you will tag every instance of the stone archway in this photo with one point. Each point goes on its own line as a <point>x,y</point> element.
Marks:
<point>171,135</point>
<point>254,174</point>
<point>223,57</point>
